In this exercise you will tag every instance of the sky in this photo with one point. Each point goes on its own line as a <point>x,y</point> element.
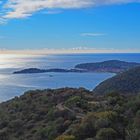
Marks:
<point>77,25</point>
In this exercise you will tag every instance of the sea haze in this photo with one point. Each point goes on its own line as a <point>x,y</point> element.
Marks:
<point>12,85</point>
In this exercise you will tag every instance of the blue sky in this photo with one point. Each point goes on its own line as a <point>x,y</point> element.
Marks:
<point>102,24</point>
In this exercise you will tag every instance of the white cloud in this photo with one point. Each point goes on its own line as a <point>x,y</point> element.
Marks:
<point>25,8</point>
<point>93,34</point>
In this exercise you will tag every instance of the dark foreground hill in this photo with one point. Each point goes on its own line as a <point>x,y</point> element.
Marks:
<point>70,114</point>
<point>114,66</point>
<point>126,82</point>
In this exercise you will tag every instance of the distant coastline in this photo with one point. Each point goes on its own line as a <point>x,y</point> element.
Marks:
<point>110,66</point>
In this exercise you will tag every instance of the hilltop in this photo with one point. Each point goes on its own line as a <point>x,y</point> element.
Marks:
<point>70,114</point>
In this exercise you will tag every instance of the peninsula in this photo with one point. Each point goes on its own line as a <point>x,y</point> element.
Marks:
<point>111,66</point>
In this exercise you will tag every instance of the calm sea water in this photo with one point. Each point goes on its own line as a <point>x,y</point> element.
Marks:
<point>14,85</point>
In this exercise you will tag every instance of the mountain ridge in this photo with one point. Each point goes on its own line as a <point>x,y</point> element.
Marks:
<point>114,66</point>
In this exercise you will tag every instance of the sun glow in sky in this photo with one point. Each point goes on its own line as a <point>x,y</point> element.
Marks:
<point>70,26</point>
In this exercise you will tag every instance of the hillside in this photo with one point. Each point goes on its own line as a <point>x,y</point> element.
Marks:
<point>114,66</point>
<point>125,83</point>
<point>70,114</point>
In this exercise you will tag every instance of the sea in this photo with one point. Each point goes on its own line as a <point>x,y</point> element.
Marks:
<point>12,85</point>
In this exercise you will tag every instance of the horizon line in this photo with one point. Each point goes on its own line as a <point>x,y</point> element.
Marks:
<point>66,51</point>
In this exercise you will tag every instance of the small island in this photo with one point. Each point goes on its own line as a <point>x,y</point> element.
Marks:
<point>111,66</point>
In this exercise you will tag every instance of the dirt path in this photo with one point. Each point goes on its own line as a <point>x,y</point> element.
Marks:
<point>61,107</point>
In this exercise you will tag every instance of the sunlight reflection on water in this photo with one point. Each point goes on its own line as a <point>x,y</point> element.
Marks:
<point>14,60</point>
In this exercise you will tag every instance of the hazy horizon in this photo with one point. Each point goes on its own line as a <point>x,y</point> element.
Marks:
<point>65,51</point>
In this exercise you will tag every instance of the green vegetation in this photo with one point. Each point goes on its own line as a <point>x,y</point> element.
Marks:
<point>127,82</point>
<point>66,137</point>
<point>70,114</point>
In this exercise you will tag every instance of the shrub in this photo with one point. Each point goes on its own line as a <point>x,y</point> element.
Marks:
<point>106,134</point>
<point>66,137</point>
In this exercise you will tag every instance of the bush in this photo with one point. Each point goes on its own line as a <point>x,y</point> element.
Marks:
<point>106,134</point>
<point>87,127</point>
<point>66,137</point>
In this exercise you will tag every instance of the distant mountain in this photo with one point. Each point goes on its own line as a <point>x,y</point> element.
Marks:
<point>114,66</point>
<point>126,82</point>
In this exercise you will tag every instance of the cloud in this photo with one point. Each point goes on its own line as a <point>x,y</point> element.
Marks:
<point>93,34</point>
<point>25,8</point>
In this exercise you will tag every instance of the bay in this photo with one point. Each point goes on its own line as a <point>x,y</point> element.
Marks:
<point>12,85</point>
